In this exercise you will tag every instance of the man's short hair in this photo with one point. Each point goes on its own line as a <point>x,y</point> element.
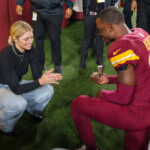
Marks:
<point>111,15</point>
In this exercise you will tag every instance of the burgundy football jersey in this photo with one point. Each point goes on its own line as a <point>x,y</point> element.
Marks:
<point>134,48</point>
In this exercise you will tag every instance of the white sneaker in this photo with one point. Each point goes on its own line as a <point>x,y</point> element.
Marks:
<point>82,148</point>
<point>149,146</point>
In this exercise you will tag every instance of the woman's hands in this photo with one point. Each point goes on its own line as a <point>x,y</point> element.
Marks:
<point>102,79</point>
<point>50,78</point>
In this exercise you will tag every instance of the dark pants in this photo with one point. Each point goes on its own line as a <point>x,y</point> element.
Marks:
<point>50,24</point>
<point>144,16</point>
<point>85,108</point>
<point>128,13</point>
<point>91,33</point>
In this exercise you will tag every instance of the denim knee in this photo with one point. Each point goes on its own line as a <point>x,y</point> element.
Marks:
<point>20,104</point>
<point>49,91</point>
<point>45,93</point>
<point>10,101</point>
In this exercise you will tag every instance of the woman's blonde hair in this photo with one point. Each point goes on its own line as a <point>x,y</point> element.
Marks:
<point>17,29</point>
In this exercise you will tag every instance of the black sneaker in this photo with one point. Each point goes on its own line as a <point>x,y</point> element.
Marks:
<point>37,118</point>
<point>10,134</point>
<point>58,69</point>
<point>82,66</point>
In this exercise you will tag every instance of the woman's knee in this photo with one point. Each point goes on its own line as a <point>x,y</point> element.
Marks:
<point>20,104</point>
<point>49,91</point>
<point>9,100</point>
<point>46,92</point>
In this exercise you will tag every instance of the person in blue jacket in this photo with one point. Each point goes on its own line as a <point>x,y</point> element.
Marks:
<point>47,16</point>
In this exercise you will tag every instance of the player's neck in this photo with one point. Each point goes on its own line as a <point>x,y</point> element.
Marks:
<point>123,30</point>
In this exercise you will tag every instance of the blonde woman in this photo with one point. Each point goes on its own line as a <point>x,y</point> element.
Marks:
<point>17,95</point>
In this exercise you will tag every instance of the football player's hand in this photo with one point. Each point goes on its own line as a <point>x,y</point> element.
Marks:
<point>101,80</point>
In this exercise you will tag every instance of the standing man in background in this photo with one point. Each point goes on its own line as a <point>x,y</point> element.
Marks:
<point>143,13</point>
<point>90,10</point>
<point>128,13</point>
<point>47,16</point>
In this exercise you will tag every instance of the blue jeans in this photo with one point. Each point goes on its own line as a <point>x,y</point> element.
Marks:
<point>12,106</point>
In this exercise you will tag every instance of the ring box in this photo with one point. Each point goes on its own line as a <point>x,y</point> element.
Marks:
<point>100,71</point>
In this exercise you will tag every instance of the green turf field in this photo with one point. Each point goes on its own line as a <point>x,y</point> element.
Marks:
<point>57,128</point>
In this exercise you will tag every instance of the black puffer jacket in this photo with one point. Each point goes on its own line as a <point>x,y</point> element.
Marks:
<point>91,5</point>
<point>47,7</point>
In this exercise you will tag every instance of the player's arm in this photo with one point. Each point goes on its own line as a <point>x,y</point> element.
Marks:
<point>126,75</point>
<point>125,87</point>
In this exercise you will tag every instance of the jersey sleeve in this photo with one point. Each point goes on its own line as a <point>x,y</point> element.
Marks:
<point>122,53</point>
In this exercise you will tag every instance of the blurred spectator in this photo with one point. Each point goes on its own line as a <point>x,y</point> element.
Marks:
<point>90,10</point>
<point>128,13</point>
<point>143,13</point>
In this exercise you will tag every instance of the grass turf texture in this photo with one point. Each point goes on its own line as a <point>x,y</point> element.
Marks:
<point>57,128</point>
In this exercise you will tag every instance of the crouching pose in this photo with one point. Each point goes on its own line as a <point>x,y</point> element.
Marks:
<point>17,95</point>
<point>128,107</point>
